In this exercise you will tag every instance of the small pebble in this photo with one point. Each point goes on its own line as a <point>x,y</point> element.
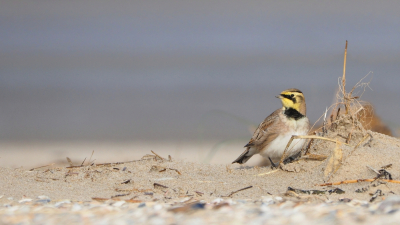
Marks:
<point>25,200</point>
<point>76,207</point>
<point>43,197</point>
<point>217,200</point>
<point>43,201</point>
<point>157,207</point>
<point>58,204</point>
<point>119,203</point>
<point>198,206</point>
<point>267,200</point>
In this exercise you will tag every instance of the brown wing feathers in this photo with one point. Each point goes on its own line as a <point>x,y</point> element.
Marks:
<point>258,136</point>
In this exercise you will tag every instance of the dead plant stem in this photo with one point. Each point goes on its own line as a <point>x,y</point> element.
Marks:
<point>344,81</point>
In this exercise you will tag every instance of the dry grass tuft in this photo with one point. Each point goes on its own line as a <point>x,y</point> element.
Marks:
<point>349,103</point>
<point>346,125</point>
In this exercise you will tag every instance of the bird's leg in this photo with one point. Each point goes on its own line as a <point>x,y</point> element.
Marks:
<point>273,165</point>
<point>292,158</point>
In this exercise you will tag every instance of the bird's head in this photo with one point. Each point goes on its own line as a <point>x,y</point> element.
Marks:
<point>293,98</point>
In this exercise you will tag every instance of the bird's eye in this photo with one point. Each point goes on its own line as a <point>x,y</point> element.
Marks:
<point>292,95</point>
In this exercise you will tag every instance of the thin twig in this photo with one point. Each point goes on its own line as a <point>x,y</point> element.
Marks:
<point>314,157</point>
<point>234,192</point>
<point>263,174</point>
<point>157,155</point>
<point>100,199</point>
<point>364,138</point>
<point>344,79</point>
<point>115,163</point>
<point>358,110</point>
<point>159,185</point>
<point>120,195</point>
<point>359,180</point>
<point>41,167</point>
<point>83,161</point>
<point>348,138</point>
<point>308,146</point>
<point>89,162</point>
<point>324,124</point>
<point>69,167</point>
<point>126,181</point>
<point>199,193</point>
<point>338,113</point>
<point>176,171</point>
<point>376,171</point>
<point>386,166</point>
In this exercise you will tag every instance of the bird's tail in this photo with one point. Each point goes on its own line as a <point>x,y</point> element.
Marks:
<point>244,157</point>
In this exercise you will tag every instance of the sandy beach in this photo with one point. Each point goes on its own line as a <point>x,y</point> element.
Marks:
<point>330,176</point>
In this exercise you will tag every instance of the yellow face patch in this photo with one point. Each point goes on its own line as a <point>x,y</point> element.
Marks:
<point>291,100</point>
<point>287,103</point>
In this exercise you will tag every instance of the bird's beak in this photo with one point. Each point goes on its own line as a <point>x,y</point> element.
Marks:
<point>279,96</point>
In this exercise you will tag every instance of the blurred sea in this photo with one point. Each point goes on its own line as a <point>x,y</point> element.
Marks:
<point>216,97</point>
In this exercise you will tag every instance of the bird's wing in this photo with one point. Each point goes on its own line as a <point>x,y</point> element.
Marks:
<point>261,132</point>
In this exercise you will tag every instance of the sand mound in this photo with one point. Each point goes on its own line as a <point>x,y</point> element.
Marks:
<point>365,150</point>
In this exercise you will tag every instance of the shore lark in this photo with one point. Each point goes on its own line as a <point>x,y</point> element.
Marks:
<point>273,134</point>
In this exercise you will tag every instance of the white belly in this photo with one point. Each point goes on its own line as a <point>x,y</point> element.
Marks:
<point>277,147</point>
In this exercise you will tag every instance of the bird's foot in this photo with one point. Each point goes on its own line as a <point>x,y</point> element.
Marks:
<point>292,158</point>
<point>273,165</point>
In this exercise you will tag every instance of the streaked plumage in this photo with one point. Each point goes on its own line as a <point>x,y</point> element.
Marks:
<point>273,134</point>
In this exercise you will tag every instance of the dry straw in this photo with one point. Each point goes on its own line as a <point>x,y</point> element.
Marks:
<point>352,107</point>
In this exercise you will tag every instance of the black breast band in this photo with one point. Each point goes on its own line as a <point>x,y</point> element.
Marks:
<point>292,113</point>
